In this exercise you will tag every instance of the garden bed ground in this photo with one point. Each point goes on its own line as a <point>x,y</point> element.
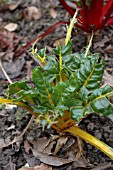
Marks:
<point>12,122</point>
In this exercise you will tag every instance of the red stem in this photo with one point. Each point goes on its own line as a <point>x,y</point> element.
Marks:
<point>107,11</point>
<point>66,6</point>
<point>21,50</point>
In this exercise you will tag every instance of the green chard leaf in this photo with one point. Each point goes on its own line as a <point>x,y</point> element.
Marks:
<point>40,56</point>
<point>64,50</point>
<point>43,87</point>
<point>77,113</point>
<point>90,72</point>
<point>22,90</point>
<point>51,69</point>
<point>58,91</point>
<point>96,101</point>
<point>99,100</point>
<point>40,80</point>
<point>17,87</point>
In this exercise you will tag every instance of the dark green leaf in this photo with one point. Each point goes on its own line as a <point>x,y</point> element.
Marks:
<point>77,113</point>
<point>90,72</point>
<point>58,91</point>
<point>99,100</point>
<point>17,86</point>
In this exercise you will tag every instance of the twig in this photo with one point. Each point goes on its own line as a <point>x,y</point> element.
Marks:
<point>4,72</point>
<point>27,127</point>
<point>19,137</point>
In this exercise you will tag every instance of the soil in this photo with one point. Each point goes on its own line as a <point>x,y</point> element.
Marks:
<point>13,121</point>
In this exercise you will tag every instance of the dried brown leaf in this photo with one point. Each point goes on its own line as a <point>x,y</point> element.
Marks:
<point>13,68</point>
<point>31,13</point>
<point>44,145</point>
<point>38,167</point>
<point>41,151</point>
<point>108,79</point>
<point>102,42</point>
<point>109,49</point>
<point>60,143</point>
<point>50,160</point>
<point>27,146</point>
<point>40,144</point>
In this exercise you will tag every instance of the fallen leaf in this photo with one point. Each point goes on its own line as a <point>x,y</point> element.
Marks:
<point>27,146</point>
<point>109,49</point>
<point>12,6</point>
<point>31,13</point>
<point>102,42</point>
<point>50,160</point>
<point>60,143</point>
<point>40,152</point>
<point>11,27</point>
<point>108,79</point>
<point>40,144</point>
<point>43,145</point>
<point>13,68</point>
<point>38,167</point>
<point>10,166</point>
<point>82,163</point>
<point>9,40</point>
<point>53,13</point>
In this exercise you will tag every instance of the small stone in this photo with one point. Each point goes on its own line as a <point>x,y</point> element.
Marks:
<point>98,134</point>
<point>90,126</point>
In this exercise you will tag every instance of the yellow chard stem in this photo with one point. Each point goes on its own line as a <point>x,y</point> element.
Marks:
<point>87,49</point>
<point>76,131</point>
<point>69,30</point>
<point>20,104</point>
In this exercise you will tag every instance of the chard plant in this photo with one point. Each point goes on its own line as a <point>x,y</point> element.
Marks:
<point>67,89</point>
